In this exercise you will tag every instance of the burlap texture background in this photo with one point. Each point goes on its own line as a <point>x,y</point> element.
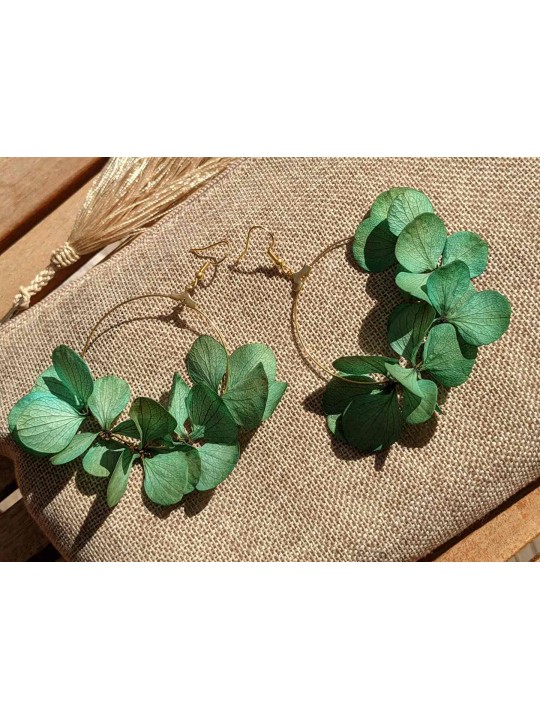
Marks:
<point>296,494</point>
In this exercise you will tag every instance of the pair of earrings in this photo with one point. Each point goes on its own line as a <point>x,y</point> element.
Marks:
<point>192,444</point>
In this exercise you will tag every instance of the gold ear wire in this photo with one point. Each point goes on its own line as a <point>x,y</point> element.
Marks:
<point>212,261</point>
<point>278,261</point>
<point>199,251</point>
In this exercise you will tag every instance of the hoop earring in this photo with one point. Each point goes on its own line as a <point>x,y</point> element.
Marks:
<point>192,444</point>
<point>369,399</point>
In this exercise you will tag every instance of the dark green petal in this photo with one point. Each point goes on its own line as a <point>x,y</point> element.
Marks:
<point>339,393</point>
<point>448,286</point>
<point>119,477</point>
<point>100,460</point>
<point>210,419</point>
<point>447,357</point>
<point>421,243</point>
<point>419,408</point>
<point>408,326</point>
<point>372,422</point>
<point>207,362</point>
<point>373,245</point>
<point>152,420</point>
<point>362,364</point>
<point>246,399</point>
<point>73,372</point>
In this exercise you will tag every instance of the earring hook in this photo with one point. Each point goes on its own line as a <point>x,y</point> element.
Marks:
<point>201,272</point>
<point>278,261</point>
<point>248,241</point>
<point>199,252</point>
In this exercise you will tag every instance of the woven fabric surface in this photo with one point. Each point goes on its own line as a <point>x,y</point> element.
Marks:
<point>296,494</point>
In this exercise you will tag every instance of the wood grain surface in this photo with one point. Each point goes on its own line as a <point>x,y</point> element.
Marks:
<point>30,188</point>
<point>503,536</point>
<point>39,199</point>
<point>20,537</point>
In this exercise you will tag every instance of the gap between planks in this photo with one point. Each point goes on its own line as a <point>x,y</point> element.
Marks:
<point>20,537</point>
<point>31,188</point>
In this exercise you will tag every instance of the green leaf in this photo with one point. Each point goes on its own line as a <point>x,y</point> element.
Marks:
<point>193,460</point>
<point>333,423</point>
<point>408,325</point>
<point>15,413</point>
<point>372,422</point>
<point>49,382</point>
<point>217,462</point>
<point>406,377</point>
<point>73,372</point>
<point>447,357</point>
<point>207,362</point>
<point>381,206</point>
<point>361,364</point>
<point>246,399</point>
<point>21,404</point>
<point>166,476</point>
<point>470,249</point>
<point>128,429</point>
<point>177,403</point>
<point>152,420</point>
<point>245,358</point>
<point>119,477</point>
<point>373,245</point>
<point>339,393</point>
<point>276,389</point>
<point>100,460</point>
<point>408,205</point>
<point>421,243</point>
<point>414,284</point>
<point>48,424</point>
<point>483,318</point>
<point>79,445</point>
<point>210,417</point>
<point>448,286</point>
<point>418,409</point>
<point>109,398</point>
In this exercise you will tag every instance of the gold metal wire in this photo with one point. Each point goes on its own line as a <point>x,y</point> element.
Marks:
<point>184,298</point>
<point>299,279</point>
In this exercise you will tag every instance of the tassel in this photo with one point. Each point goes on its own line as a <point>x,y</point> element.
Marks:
<point>128,196</point>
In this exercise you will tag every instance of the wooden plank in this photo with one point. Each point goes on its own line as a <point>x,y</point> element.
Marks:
<point>20,537</point>
<point>31,253</point>
<point>503,536</point>
<point>30,188</point>
<point>7,477</point>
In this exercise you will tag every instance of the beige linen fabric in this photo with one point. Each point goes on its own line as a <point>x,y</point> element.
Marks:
<point>296,494</point>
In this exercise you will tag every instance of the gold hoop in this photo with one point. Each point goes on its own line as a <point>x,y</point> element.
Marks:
<point>184,298</point>
<point>299,279</point>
